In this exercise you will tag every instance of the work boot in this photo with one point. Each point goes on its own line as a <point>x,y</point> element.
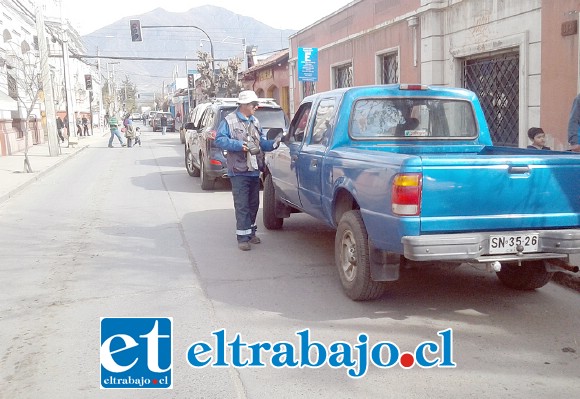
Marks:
<point>255,240</point>
<point>244,246</point>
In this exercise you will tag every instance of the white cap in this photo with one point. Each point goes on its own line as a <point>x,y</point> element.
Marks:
<point>247,96</point>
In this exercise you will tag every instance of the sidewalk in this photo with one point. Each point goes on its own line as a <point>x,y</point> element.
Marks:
<point>12,176</point>
<point>13,179</point>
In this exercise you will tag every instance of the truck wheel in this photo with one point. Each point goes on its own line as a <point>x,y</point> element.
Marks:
<point>351,252</point>
<point>191,169</point>
<point>529,276</point>
<point>206,182</point>
<point>271,221</point>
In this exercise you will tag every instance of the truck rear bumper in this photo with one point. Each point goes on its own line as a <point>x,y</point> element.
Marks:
<point>475,247</point>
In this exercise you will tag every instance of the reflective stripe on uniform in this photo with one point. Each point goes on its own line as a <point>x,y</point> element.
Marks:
<point>243,232</point>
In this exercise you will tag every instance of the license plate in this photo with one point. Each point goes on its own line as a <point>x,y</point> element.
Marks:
<point>508,244</point>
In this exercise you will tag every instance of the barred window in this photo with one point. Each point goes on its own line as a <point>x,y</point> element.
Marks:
<point>343,76</point>
<point>389,66</point>
<point>308,89</point>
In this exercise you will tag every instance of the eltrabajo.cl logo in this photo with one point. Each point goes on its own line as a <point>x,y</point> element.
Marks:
<point>136,352</point>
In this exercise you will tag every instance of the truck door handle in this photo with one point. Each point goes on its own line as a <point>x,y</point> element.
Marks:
<point>314,163</point>
<point>519,170</point>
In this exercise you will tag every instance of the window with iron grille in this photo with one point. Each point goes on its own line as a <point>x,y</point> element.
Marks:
<point>495,80</point>
<point>308,88</point>
<point>343,76</point>
<point>12,86</point>
<point>389,65</point>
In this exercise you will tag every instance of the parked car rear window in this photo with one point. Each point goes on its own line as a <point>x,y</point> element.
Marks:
<point>412,118</point>
<point>269,117</point>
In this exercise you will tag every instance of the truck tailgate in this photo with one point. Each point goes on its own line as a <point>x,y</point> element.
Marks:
<point>478,192</point>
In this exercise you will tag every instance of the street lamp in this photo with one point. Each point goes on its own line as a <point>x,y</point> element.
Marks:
<point>188,26</point>
<point>228,39</point>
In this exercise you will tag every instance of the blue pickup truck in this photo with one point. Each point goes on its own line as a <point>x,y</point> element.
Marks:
<point>408,176</point>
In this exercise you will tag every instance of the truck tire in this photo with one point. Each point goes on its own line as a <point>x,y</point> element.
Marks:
<point>191,169</point>
<point>529,276</point>
<point>206,182</point>
<point>352,257</point>
<point>271,221</point>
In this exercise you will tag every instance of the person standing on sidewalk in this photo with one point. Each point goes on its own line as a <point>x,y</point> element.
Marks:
<point>59,126</point>
<point>163,122</point>
<point>574,125</point>
<point>85,122</point>
<point>114,126</point>
<point>241,135</point>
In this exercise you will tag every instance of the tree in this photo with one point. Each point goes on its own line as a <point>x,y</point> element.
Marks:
<point>107,98</point>
<point>225,83</point>
<point>24,85</point>
<point>227,80</point>
<point>207,78</point>
<point>128,94</point>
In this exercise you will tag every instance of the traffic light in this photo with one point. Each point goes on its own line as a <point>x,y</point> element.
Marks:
<point>88,82</point>
<point>190,81</point>
<point>136,30</point>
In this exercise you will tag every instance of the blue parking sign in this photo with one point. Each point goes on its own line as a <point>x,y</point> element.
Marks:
<point>307,64</point>
<point>136,352</point>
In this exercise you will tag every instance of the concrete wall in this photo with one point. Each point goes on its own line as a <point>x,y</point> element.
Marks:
<point>455,30</point>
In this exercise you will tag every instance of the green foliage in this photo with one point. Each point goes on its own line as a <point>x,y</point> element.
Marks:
<point>227,79</point>
<point>207,78</point>
<point>224,83</point>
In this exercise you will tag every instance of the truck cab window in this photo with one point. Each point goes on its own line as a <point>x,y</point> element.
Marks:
<point>299,123</point>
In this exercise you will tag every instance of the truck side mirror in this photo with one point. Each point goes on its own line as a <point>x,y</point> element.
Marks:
<point>273,133</point>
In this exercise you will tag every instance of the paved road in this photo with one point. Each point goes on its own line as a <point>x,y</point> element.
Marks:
<point>126,232</point>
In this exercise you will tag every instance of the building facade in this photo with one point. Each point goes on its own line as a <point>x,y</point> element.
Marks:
<point>269,79</point>
<point>20,83</point>
<point>519,57</point>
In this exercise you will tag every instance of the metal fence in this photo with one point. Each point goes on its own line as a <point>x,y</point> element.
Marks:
<point>495,80</point>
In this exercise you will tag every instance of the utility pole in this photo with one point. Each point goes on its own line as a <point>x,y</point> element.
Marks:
<point>101,90</point>
<point>53,147</point>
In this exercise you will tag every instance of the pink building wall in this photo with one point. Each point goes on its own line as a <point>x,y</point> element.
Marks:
<point>559,60</point>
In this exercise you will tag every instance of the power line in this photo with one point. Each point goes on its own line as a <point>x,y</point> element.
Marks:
<point>114,57</point>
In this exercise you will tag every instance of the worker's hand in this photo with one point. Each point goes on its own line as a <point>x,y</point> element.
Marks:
<point>277,140</point>
<point>245,147</point>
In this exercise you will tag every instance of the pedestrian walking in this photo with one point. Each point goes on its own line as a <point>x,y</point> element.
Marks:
<point>59,126</point>
<point>241,135</point>
<point>163,122</point>
<point>129,131</point>
<point>79,126</point>
<point>85,123</point>
<point>66,126</point>
<point>114,126</point>
<point>144,117</point>
<point>574,125</point>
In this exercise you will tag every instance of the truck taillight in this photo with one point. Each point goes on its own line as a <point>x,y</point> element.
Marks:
<point>406,194</point>
<point>405,86</point>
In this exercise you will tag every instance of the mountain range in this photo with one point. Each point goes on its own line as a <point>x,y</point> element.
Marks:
<point>228,31</point>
